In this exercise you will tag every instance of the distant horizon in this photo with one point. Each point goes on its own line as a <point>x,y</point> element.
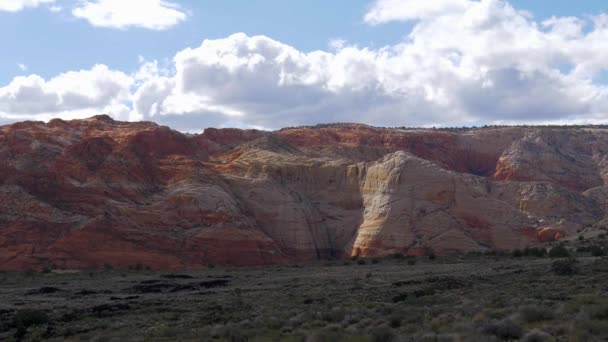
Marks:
<point>327,125</point>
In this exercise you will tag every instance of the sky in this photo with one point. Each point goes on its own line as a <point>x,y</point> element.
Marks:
<point>274,63</point>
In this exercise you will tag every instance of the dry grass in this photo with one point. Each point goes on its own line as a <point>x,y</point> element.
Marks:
<point>448,298</point>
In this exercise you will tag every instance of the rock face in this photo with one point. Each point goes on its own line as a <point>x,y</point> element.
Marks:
<point>95,192</point>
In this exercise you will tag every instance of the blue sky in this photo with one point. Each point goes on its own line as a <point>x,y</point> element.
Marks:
<point>48,40</point>
<point>49,43</point>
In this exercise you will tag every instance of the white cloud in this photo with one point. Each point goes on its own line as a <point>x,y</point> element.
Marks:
<point>22,66</point>
<point>337,43</point>
<point>432,79</point>
<point>464,62</point>
<point>121,14</point>
<point>18,5</point>
<point>259,81</point>
<point>69,95</point>
<point>383,11</point>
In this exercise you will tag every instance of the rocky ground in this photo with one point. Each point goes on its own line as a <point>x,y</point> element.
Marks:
<point>476,297</point>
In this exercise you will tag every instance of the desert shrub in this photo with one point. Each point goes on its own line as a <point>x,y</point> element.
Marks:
<point>411,261</point>
<point>432,256</point>
<point>591,330</point>
<point>505,329</point>
<point>400,297</point>
<point>375,261</point>
<point>30,317</point>
<point>599,311</point>
<point>538,252</point>
<point>597,251</point>
<point>26,318</point>
<point>536,336</point>
<point>602,236</point>
<point>565,267</point>
<point>423,292</point>
<point>335,315</point>
<point>581,238</point>
<point>517,253</point>
<point>382,334</point>
<point>394,321</point>
<point>325,336</point>
<point>137,267</point>
<point>397,256</point>
<point>531,314</point>
<point>107,267</point>
<point>559,251</point>
<point>361,262</point>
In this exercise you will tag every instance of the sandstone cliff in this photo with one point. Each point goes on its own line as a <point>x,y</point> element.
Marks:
<point>85,193</point>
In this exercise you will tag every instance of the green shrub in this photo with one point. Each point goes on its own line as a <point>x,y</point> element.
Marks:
<point>26,318</point>
<point>382,334</point>
<point>505,329</point>
<point>537,252</point>
<point>531,314</point>
<point>565,267</point>
<point>395,321</point>
<point>597,251</point>
<point>599,311</point>
<point>400,297</point>
<point>559,251</point>
<point>397,256</point>
<point>536,336</point>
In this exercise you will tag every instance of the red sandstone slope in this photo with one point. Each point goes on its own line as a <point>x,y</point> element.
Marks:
<point>91,192</point>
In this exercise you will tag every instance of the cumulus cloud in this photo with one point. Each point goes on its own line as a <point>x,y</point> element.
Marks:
<point>383,11</point>
<point>464,62</point>
<point>263,82</point>
<point>69,95</point>
<point>18,5</point>
<point>121,14</point>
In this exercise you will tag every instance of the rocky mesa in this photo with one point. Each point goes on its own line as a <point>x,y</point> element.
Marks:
<point>95,192</point>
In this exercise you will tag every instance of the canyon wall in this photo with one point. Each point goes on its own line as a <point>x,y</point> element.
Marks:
<point>95,192</point>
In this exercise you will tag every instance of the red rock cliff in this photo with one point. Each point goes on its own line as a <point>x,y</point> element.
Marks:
<point>85,193</point>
